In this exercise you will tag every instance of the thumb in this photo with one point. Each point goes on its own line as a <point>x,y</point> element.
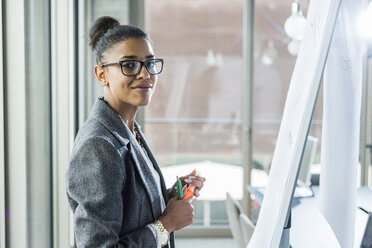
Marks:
<point>184,189</point>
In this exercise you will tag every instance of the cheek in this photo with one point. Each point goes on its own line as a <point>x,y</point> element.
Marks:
<point>155,80</point>
<point>121,83</point>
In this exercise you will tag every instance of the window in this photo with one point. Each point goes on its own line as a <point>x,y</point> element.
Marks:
<point>194,119</point>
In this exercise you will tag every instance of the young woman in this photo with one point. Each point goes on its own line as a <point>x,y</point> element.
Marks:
<point>114,185</point>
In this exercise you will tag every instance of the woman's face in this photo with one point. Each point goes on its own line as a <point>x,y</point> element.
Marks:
<point>134,90</point>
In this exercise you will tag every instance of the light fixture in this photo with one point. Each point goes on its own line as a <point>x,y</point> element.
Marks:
<point>269,54</point>
<point>293,47</point>
<point>294,26</point>
<point>211,59</point>
<point>219,60</point>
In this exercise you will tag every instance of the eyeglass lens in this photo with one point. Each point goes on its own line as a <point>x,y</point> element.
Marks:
<point>133,67</point>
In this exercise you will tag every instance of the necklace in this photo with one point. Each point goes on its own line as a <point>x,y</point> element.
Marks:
<point>138,137</point>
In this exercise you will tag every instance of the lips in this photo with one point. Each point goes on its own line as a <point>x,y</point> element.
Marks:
<point>142,86</point>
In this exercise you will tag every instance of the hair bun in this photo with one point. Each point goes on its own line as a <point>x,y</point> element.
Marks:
<point>100,27</point>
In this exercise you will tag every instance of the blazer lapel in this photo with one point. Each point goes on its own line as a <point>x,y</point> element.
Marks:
<point>112,121</point>
<point>146,176</point>
<point>155,164</point>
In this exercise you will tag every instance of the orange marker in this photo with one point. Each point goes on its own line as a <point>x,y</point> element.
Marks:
<point>189,192</point>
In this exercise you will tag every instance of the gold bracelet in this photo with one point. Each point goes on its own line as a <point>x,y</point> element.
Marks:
<point>164,234</point>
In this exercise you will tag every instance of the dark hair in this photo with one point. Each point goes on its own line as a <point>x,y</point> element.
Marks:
<point>107,31</point>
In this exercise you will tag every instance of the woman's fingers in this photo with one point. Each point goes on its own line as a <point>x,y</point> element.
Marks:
<point>192,200</point>
<point>184,189</point>
<point>196,180</point>
<point>199,178</point>
<point>196,193</point>
<point>193,173</point>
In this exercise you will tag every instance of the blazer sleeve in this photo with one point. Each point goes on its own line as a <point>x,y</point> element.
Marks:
<point>94,183</point>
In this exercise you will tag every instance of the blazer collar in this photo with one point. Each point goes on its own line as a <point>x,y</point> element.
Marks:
<point>111,120</point>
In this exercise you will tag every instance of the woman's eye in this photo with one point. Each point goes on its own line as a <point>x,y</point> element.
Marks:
<point>129,65</point>
<point>151,64</point>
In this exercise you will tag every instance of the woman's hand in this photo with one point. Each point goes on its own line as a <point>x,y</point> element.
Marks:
<point>192,178</point>
<point>177,214</point>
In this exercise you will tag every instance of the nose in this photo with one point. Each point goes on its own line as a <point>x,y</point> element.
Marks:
<point>143,73</point>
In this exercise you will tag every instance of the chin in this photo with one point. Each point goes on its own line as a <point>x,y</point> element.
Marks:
<point>144,102</point>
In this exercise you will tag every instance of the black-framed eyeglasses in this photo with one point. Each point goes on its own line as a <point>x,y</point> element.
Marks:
<point>133,67</point>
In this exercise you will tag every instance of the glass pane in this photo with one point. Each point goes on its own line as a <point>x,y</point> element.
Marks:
<point>116,8</point>
<point>274,61</point>
<point>274,65</point>
<point>194,119</point>
<point>39,121</point>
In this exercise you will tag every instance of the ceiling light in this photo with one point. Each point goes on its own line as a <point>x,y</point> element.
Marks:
<point>294,26</point>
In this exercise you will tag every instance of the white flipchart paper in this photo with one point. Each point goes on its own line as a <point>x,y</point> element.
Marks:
<point>295,124</point>
<point>341,124</point>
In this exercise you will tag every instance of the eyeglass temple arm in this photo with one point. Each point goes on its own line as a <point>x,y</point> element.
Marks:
<point>108,64</point>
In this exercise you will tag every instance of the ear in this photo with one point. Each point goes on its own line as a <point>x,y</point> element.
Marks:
<point>101,75</point>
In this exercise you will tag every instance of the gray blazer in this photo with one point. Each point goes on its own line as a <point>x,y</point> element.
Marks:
<point>110,188</point>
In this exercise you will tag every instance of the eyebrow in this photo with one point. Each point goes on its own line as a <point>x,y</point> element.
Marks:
<point>134,57</point>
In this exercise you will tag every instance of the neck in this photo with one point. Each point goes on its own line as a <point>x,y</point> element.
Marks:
<point>126,111</point>
<point>128,120</point>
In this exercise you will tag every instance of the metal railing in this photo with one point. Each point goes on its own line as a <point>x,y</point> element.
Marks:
<point>216,121</point>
